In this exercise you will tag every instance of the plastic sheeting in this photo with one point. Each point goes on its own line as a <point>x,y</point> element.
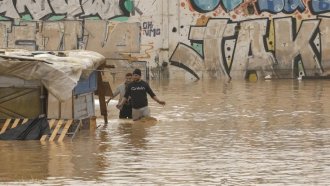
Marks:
<point>32,130</point>
<point>59,72</point>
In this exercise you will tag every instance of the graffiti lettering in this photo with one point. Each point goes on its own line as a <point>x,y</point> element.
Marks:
<point>231,4</point>
<point>320,6</point>
<point>8,7</point>
<point>70,8</point>
<point>149,30</point>
<point>205,6</point>
<point>272,6</point>
<point>292,45</point>
<point>250,52</point>
<point>105,9</point>
<point>287,6</point>
<point>212,35</point>
<point>324,37</point>
<point>38,9</point>
<point>70,35</point>
<point>43,9</point>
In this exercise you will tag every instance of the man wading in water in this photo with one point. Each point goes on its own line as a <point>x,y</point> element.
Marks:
<point>126,110</point>
<point>137,92</point>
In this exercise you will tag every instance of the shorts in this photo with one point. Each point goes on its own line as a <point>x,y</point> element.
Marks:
<point>140,113</point>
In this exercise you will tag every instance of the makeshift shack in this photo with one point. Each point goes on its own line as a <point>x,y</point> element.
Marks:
<point>59,86</point>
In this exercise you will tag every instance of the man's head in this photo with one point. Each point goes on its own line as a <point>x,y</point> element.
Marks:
<point>136,74</point>
<point>128,78</point>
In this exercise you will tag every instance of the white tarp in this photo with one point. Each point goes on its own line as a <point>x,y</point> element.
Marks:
<point>59,72</point>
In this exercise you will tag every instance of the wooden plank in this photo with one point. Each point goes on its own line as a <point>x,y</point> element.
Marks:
<point>84,106</point>
<point>66,109</point>
<point>51,123</point>
<point>92,124</point>
<point>76,130</point>
<point>12,98</point>
<point>57,128</point>
<point>5,126</point>
<point>25,120</point>
<point>15,123</point>
<point>80,107</point>
<point>65,130</point>
<point>90,105</point>
<point>59,110</point>
<point>53,107</point>
<point>107,89</point>
<point>11,81</point>
<point>43,137</point>
<point>100,93</point>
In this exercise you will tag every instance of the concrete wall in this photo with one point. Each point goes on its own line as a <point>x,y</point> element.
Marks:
<point>199,38</point>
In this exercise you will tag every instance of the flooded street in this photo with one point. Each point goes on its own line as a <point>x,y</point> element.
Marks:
<point>209,133</point>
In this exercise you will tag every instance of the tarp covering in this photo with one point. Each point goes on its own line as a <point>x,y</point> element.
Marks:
<point>59,72</point>
<point>31,130</point>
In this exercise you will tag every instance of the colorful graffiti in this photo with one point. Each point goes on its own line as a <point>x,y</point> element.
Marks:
<point>215,38</point>
<point>286,6</point>
<point>285,42</point>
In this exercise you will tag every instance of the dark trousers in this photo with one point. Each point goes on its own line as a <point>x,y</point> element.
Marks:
<point>126,112</point>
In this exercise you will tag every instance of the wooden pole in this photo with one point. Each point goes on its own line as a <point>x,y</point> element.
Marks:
<point>101,94</point>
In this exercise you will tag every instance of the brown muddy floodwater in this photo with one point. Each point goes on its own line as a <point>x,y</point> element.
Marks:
<point>209,133</point>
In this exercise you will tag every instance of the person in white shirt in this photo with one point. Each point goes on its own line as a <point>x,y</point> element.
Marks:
<point>126,111</point>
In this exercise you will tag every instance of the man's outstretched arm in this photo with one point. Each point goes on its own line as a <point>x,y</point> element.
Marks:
<point>158,100</point>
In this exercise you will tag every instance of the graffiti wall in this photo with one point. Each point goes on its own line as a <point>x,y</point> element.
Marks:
<point>231,39</point>
<point>265,38</point>
<point>106,26</point>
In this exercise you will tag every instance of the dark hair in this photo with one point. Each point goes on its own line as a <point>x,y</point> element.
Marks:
<point>129,74</point>
<point>137,71</point>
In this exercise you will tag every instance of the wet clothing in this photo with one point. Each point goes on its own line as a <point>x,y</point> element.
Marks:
<point>137,91</point>
<point>126,111</point>
<point>140,113</point>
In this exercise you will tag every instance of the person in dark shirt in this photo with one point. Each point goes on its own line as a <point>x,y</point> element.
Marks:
<point>137,92</point>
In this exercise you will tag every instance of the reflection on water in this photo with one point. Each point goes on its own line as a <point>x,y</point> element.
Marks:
<point>209,133</point>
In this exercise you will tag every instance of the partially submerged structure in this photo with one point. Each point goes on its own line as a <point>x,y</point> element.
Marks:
<point>59,86</point>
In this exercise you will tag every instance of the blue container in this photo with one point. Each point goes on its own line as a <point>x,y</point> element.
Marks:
<point>86,85</point>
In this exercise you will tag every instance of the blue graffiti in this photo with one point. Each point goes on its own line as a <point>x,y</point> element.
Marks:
<point>271,6</point>
<point>287,6</point>
<point>292,5</point>
<point>205,5</point>
<point>320,6</point>
<point>230,5</point>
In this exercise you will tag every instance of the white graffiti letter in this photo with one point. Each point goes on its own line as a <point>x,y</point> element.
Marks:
<point>71,8</point>
<point>251,39</point>
<point>325,47</point>
<point>289,44</point>
<point>212,35</point>
<point>106,10</point>
<point>8,7</point>
<point>37,8</point>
